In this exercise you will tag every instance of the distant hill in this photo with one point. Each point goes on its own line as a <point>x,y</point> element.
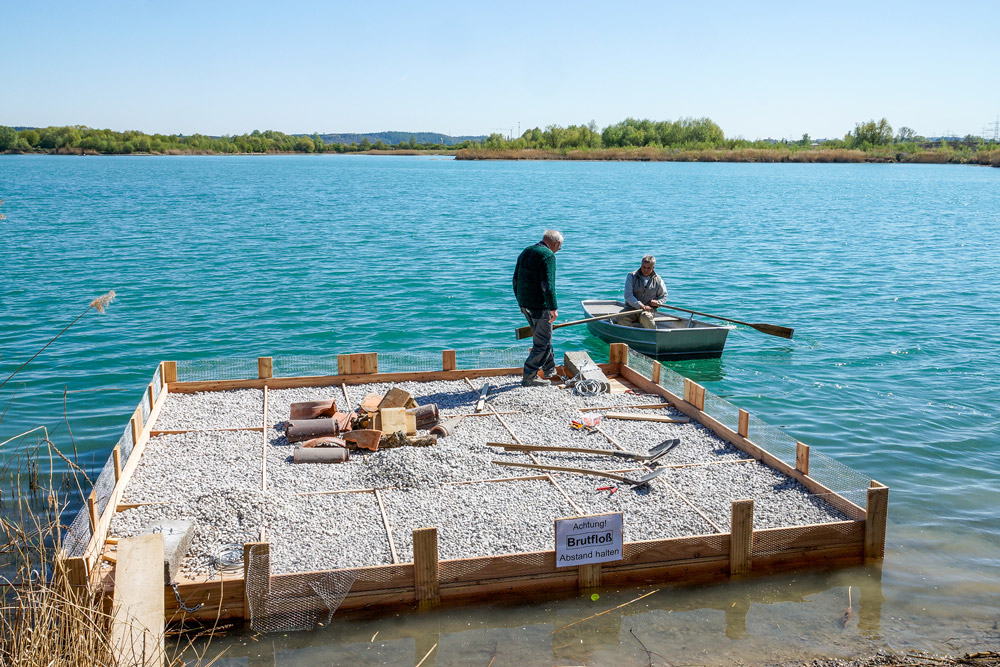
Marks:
<point>393,138</point>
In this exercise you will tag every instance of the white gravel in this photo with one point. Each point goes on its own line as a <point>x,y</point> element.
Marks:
<point>212,409</point>
<point>520,519</point>
<point>192,464</point>
<point>215,478</point>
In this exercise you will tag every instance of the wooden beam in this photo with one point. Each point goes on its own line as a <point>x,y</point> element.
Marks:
<point>388,528</point>
<point>332,380</point>
<point>265,366</point>
<point>802,458</point>
<point>589,575</point>
<point>263,456</point>
<point>448,362</point>
<point>149,392</point>
<point>138,602</point>
<point>618,354</point>
<point>181,431</point>
<point>875,522</point>
<point>169,371</point>
<point>694,393</point>
<point>644,406</point>
<point>427,586</point>
<point>116,460</point>
<point>343,364</point>
<point>656,371</point>
<point>744,423</point>
<point>136,425</point>
<point>648,418</point>
<point>741,537</point>
<point>92,512</point>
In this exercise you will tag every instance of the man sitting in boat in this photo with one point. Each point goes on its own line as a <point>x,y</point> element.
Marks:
<point>644,290</point>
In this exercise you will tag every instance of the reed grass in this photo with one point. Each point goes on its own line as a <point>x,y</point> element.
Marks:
<point>882,154</point>
<point>44,619</point>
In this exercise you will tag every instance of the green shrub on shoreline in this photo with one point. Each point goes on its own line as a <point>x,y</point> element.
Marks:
<point>683,140</point>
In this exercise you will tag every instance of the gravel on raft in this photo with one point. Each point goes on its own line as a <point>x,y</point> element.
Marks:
<point>487,519</point>
<point>327,532</point>
<point>214,477</point>
<point>235,408</point>
<point>221,517</point>
<point>778,500</point>
<point>192,464</point>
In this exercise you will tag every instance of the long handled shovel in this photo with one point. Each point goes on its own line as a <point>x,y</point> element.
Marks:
<point>645,479</point>
<point>525,332</point>
<point>654,454</point>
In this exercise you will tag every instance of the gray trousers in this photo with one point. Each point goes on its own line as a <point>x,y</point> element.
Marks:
<point>542,356</point>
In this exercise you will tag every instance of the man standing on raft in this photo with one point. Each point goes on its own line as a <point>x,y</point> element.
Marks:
<point>535,289</point>
<point>645,291</point>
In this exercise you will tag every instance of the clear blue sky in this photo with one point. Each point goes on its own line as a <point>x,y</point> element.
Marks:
<point>758,69</point>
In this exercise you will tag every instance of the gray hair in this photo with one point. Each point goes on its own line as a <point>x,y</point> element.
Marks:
<point>552,236</point>
<point>650,259</point>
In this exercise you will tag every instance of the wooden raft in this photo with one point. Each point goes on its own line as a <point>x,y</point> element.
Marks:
<point>427,580</point>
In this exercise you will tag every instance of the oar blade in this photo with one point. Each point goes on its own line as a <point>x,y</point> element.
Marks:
<point>524,332</point>
<point>773,329</point>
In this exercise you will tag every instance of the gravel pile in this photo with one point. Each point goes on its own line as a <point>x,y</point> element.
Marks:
<point>214,477</point>
<point>509,517</point>
<point>212,409</point>
<point>192,464</point>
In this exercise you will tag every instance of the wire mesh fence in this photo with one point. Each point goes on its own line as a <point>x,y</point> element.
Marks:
<point>828,471</point>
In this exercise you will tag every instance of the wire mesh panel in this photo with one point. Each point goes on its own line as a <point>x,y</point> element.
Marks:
<point>672,381</point>
<point>770,542</point>
<point>773,439</point>
<point>147,407</point>
<point>104,485</point>
<point>641,363</point>
<point>297,366</point>
<point>232,368</point>
<point>721,409</point>
<point>292,602</point>
<point>157,382</point>
<point>406,362</point>
<point>76,536</point>
<point>508,357</point>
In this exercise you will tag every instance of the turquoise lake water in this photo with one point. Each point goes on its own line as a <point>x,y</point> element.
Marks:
<point>888,273</point>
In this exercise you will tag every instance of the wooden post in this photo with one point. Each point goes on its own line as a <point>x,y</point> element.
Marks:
<point>426,585</point>
<point>149,390</point>
<point>875,521</point>
<point>741,537</point>
<point>137,625</point>
<point>656,372</point>
<point>618,354</point>
<point>260,549</point>
<point>136,424</point>
<point>264,366</point>
<point>802,458</point>
<point>116,459</point>
<point>694,393</point>
<point>589,575</point>
<point>77,576</point>
<point>448,362</point>
<point>343,364</point>
<point>170,371</point>
<point>369,363</point>
<point>92,511</point>
<point>744,423</point>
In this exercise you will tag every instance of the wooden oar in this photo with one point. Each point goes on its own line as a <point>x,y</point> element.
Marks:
<point>772,329</point>
<point>525,332</point>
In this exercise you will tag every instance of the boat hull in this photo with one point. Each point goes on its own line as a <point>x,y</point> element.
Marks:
<point>674,337</point>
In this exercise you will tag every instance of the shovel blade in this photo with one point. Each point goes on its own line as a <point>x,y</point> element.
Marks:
<point>664,446</point>
<point>645,479</point>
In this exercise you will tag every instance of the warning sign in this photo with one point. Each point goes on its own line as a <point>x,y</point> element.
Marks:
<point>589,539</point>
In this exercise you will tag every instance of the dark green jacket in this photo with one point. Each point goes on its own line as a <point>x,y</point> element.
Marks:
<point>535,278</point>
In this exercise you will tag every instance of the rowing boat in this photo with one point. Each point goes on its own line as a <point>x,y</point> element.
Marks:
<point>674,337</point>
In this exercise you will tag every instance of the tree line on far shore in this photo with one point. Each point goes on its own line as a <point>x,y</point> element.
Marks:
<point>684,134</point>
